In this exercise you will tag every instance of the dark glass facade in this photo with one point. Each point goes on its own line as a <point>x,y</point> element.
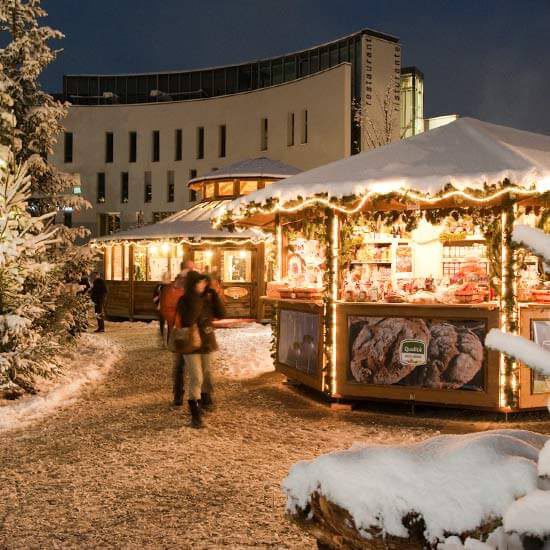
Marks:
<point>185,85</point>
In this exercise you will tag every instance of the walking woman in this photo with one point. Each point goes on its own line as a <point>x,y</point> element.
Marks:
<point>198,307</point>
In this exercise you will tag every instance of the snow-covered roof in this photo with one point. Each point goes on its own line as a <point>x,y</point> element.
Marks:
<point>261,167</point>
<point>193,223</point>
<point>466,153</point>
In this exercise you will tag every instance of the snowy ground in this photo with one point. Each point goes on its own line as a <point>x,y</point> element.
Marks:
<point>118,468</point>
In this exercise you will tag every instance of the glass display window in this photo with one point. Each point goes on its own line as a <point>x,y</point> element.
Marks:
<point>237,266</point>
<point>248,186</point>
<point>140,263</point>
<point>117,260</point>
<point>158,256</point>
<point>226,189</point>
<point>126,262</point>
<point>204,260</point>
<point>209,190</point>
<point>107,265</point>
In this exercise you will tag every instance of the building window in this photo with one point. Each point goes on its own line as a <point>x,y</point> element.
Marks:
<point>305,122</point>
<point>156,145</point>
<point>200,142</point>
<point>209,190</point>
<point>108,224</point>
<point>133,147</point>
<point>109,147</point>
<point>100,187</point>
<point>263,136</point>
<point>68,156</point>
<point>171,185</point>
<point>290,130</point>
<point>124,179</point>
<point>178,155</point>
<point>223,140</point>
<point>248,186</point>
<point>147,188</point>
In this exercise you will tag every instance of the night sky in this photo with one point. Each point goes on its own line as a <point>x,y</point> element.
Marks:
<point>484,58</point>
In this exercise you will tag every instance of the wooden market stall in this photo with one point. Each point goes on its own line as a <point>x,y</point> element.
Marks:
<point>136,260</point>
<point>392,266</point>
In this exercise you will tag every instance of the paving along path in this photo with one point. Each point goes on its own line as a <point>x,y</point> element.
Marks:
<point>118,468</point>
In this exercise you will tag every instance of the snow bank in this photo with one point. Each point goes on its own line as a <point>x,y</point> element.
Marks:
<point>530,515</point>
<point>455,482</point>
<point>244,352</point>
<point>87,363</point>
<point>497,540</point>
<point>520,348</point>
<point>535,239</point>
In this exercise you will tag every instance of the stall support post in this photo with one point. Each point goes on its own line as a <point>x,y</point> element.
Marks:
<point>259,286</point>
<point>330,299</point>
<point>509,379</point>
<point>278,248</point>
<point>131,277</point>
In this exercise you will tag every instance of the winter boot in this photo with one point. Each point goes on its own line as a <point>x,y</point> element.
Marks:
<point>196,416</point>
<point>207,404</point>
<point>177,383</point>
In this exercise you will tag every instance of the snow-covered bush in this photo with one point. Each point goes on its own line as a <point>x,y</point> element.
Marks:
<point>517,347</point>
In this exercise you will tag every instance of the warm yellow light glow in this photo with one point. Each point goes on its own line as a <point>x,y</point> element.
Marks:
<point>413,196</point>
<point>165,247</point>
<point>334,297</point>
<point>224,242</point>
<point>279,259</point>
<point>209,253</point>
<point>242,253</point>
<point>153,249</point>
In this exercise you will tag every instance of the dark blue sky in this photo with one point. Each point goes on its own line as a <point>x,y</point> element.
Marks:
<point>484,58</point>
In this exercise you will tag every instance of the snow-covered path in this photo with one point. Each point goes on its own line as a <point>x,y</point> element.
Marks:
<point>118,468</point>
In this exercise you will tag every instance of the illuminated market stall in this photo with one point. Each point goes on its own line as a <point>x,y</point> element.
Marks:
<point>392,265</point>
<point>136,260</point>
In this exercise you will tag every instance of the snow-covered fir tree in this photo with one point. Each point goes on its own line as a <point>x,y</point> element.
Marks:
<point>518,347</point>
<point>41,310</point>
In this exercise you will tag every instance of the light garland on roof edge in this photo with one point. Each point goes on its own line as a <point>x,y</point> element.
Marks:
<point>413,195</point>
<point>104,244</point>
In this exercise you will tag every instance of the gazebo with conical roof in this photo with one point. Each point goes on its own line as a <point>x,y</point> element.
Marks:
<point>136,260</point>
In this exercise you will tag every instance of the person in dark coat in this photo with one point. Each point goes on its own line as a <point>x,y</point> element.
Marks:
<point>98,294</point>
<point>199,304</point>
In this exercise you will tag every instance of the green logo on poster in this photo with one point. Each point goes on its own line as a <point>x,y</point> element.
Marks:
<point>412,352</point>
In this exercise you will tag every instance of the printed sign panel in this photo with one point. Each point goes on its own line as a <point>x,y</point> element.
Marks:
<point>299,340</point>
<point>417,352</point>
<point>541,336</point>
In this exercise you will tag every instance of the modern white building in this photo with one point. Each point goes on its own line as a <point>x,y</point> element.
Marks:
<point>134,141</point>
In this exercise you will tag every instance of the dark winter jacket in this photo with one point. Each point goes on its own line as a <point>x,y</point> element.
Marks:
<point>99,291</point>
<point>201,309</point>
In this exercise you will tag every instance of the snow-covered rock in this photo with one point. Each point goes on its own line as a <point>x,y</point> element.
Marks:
<point>455,483</point>
<point>530,515</point>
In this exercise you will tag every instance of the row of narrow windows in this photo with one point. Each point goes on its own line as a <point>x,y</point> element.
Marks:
<point>199,141</point>
<point>147,187</point>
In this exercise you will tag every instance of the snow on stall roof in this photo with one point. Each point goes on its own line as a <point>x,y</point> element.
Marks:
<point>455,482</point>
<point>193,223</point>
<point>466,153</point>
<point>260,167</point>
<point>530,515</point>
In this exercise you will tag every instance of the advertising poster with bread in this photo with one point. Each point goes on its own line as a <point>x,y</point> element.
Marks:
<point>429,353</point>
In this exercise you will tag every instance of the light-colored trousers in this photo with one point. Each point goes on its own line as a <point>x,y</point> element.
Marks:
<point>198,375</point>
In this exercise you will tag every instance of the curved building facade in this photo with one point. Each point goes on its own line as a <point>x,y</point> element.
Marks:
<point>134,141</point>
